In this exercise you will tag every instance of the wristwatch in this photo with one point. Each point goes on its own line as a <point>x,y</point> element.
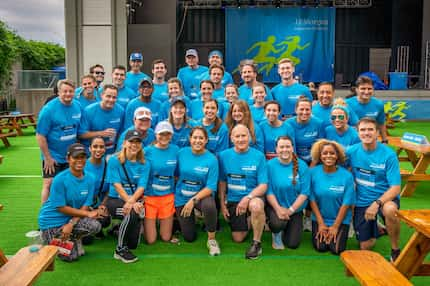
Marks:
<point>72,222</point>
<point>379,203</point>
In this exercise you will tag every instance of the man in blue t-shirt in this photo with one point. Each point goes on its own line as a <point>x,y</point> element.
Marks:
<point>104,118</point>
<point>134,76</point>
<point>248,73</point>
<point>98,71</point>
<point>125,94</point>
<point>190,74</point>
<point>366,105</point>
<point>242,185</point>
<point>159,71</point>
<point>216,58</point>
<point>376,171</point>
<point>289,90</point>
<point>57,128</point>
<point>86,94</point>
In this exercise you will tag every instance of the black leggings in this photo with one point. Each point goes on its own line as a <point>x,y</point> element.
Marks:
<point>129,230</point>
<point>188,224</point>
<point>335,247</point>
<point>293,228</point>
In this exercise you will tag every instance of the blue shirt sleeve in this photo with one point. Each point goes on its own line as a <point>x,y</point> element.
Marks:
<point>57,195</point>
<point>212,179</point>
<point>144,176</point>
<point>262,171</point>
<point>349,195</point>
<point>393,170</point>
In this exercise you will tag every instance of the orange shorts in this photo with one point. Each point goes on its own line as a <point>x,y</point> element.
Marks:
<point>159,206</point>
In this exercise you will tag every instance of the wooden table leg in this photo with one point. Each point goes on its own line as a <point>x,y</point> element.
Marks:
<point>420,168</point>
<point>17,126</point>
<point>412,256</point>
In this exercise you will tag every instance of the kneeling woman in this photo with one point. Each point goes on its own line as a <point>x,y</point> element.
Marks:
<point>332,196</point>
<point>127,174</point>
<point>286,194</point>
<point>196,188</point>
<point>66,213</point>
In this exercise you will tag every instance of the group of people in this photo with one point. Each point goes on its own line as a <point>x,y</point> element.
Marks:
<point>152,152</point>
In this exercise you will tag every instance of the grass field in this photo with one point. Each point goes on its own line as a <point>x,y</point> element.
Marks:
<point>169,264</point>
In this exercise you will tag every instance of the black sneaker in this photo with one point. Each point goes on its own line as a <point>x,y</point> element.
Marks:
<point>394,254</point>
<point>254,251</point>
<point>125,255</point>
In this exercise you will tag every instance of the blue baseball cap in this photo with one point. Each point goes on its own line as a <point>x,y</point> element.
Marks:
<point>136,57</point>
<point>215,52</point>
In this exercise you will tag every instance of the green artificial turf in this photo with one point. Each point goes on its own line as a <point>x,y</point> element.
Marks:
<point>170,264</point>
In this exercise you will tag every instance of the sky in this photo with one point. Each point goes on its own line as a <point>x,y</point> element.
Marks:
<point>35,19</point>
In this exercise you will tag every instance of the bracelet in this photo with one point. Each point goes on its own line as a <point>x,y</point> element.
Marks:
<point>72,222</point>
<point>292,209</point>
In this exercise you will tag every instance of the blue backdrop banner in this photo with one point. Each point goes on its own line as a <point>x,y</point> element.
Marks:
<point>266,35</point>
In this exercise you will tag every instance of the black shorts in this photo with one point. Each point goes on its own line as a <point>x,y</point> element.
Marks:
<point>238,222</point>
<point>58,168</point>
<point>365,230</point>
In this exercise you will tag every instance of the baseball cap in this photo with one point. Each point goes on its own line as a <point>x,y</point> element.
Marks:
<point>163,126</point>
<point>76,149</point>
<point>191,52</point>
<point>136,57</point>
<point>215,52</point>
<point>145,80</point>
<point>142,112</point>
<point>178,99</point>
<point>133,134</point>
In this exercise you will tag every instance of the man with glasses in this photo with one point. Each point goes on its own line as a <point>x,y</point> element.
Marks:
<point>134,76</point>
<point>145,99</point>
<point>98,72</point>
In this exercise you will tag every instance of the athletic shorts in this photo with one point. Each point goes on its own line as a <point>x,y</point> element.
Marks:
<point>159,206</point>
<point>365,230</point>
<point>58,168</point>
<point>238,222</point>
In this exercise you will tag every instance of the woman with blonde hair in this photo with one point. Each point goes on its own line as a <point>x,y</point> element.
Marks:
<point>332,197</point>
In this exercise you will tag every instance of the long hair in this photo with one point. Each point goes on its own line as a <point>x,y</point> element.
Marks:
<point>247,118</point>
<point>218,121</point>
<point>122,155</point>
<point>294,158</point>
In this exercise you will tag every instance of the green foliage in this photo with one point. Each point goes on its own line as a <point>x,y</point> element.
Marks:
<point>35,55</point>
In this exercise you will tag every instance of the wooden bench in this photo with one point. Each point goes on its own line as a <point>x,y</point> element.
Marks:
<point>4,136</point>
<point>371,268</point>
<point>25,266</point>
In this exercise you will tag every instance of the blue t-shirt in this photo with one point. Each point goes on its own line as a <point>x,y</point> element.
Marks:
<point>217,141</point>
<point>137,173</point>
<point>165,108</point>
<point>125,94</point>
<point>374,171</point>
<point>59,124</point>
<point>181,136</point>
<point>306,135</point>
<point>66,190</point>
<point>197,109</point>
<point>160,92</point>
<point>259,139</point>
<point>287,96</point>
<point>195,172</point>
<point>271,134</point>
<point>148,139</point>
<point>324,113</point>
<point>218,94</point>
<point>95,118</point>
<point>97,92</point>
<point>190,79</point>
<point>281,182</point>
<point>97,172</point>
<point>346,139</point>
<point>154,105</point>
<point>245,93</point>
<point>83,101</point>
<point>132,80</point>
<point>331,191</point>
<point>242,172</point>
<point>226,79</point>
<point>257,114</point>
<point>163,165</point>
<point>373,109</point>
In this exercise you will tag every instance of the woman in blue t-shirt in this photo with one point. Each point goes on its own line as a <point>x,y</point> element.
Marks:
<point>259,96</point>
<point>287,193</point>
<point>127,175</point>
<point>332,197</point>
<point>196,188</point>
<point>179,120</point>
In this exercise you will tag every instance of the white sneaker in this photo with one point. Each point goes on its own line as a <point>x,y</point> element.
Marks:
<point>307,223</point>
<point>351,232</point>
<point>277,242</point>
<point>213,247</point>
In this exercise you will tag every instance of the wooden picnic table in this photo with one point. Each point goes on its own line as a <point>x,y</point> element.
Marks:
<point>419,157</point>
<point>25,266</point>
<point>17,122</point>
<point>410,262</point>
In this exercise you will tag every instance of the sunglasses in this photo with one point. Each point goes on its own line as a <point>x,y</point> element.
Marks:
<point>340,117</point>
<point>100,72</point>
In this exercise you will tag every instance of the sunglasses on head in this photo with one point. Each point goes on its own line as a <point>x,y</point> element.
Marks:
<point>100,72</point>
<point>340,117</point>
